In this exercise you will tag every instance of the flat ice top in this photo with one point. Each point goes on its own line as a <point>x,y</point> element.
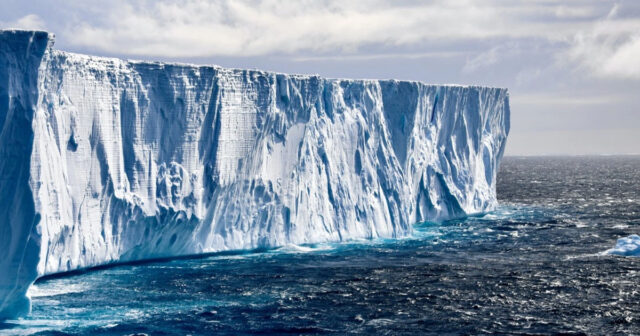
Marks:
<point>254,70</point>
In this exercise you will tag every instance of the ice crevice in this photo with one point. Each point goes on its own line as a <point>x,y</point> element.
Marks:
<point>105,160</point>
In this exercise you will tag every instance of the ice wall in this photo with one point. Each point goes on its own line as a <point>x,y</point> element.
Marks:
<point>21,56</point>
<point>106,160</point>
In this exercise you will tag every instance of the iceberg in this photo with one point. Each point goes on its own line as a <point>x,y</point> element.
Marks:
<point>626,246</point>
<point>104,160</point>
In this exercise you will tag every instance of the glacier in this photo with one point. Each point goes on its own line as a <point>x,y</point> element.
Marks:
<point>104,160</point>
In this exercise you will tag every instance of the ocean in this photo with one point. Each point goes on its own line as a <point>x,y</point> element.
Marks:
<point>534,266</point>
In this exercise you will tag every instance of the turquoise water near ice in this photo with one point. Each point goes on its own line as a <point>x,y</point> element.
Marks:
<point>535,265</point>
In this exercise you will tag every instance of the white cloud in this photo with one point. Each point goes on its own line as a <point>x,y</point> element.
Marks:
<point>566,12</point>
<point>610,49</point>
<point>625,60</point>
<point>342,30</point>
<point>565,99</point>
<point>30,22</point>
<point>491,57</point>
<point>617,141</point>
<point>195,28</point>
<point>203,28</point>
<point>485,59</point>
<point>528,75</point>
<point>366,57</point>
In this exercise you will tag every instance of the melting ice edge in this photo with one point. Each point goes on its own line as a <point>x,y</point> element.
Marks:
<point>104,160</point>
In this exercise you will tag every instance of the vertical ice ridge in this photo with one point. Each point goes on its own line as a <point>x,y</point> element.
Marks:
<point>21,53</point>
<point>135,160</point>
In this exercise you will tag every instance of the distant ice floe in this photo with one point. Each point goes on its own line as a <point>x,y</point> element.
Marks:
<point>627,246</point>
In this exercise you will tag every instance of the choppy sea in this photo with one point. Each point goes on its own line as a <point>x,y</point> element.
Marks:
<point>534,266</point>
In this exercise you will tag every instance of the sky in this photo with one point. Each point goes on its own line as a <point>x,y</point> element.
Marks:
<point>572,67</point>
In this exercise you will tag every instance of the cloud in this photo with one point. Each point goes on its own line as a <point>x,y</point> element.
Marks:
<point>356,30</point>
<point>367,57</point>
<point>199,28</point>
<point>491,57</point>
<point>203,28</point>
<point>610,49</point>
<point>485,59</point>
<point>528,75</point>
<point>565,100</point>
<point>616,141</point>
<point>30,22</point>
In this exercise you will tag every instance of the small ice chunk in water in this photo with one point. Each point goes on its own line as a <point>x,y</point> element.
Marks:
<point>627,246</point>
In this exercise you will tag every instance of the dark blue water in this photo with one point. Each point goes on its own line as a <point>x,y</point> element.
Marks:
<point>533,267</point>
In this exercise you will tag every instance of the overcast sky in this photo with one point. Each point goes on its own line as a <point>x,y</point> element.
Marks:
<point>572,67</point>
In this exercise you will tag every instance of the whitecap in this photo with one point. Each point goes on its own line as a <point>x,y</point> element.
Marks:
<point>52,289</point>
<point>293,248</point>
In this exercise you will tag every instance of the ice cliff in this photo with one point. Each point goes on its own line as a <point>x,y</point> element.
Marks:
<point>104,160</point>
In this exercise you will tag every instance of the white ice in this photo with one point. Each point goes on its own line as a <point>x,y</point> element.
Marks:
<point>627,246</point>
